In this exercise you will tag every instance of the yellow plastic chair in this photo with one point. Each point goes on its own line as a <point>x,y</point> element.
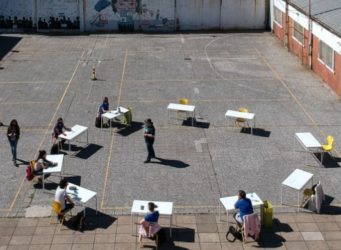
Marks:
<point>183,101</point>
<point>57,211</point>
<point>307,193</point>
<point>128,116</point>
<point>327,147</point>
<point>241,120</point>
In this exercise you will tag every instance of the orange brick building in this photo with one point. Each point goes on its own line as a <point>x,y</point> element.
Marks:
<point>311,29</point>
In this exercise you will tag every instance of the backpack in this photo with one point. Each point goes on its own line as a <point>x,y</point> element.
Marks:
<point>30,171</point>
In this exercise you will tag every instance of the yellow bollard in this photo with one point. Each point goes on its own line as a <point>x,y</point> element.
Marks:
<point>93,77</point>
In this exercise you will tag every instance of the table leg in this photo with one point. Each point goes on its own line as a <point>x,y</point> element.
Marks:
<point>101,122</point>
<point>281,194</point>
<point>84,209</point>
<point>87,136</point>
<point>132,224</point>
<point>43,176</point>
<point>110,127</point>
<point>298,200</point>
<point>69,146</point>
<point>168,114</point>
<point>170,225</point>
<point>193,118</point>
<point>227,218</point>
<point>96,205</point>
<point>219,211</point>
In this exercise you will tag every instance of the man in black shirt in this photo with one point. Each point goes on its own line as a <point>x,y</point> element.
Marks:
<point>149,137</point>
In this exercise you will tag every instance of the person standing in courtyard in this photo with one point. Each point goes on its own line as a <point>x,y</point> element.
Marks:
<point>149,137</point>
<point>13,135</point>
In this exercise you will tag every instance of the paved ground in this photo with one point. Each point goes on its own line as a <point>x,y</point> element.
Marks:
<point>44,77</point>
<point>201,231</point>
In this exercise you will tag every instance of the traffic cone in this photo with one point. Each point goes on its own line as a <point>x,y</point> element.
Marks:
<point>93,77</point>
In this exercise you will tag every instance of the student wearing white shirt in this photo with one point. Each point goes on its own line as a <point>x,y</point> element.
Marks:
<point>62,197</point>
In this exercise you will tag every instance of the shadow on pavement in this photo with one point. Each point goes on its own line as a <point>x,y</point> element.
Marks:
<point>91,221</point>
<point>256,131</point>
<point>171,163</point>
<point>328,160</point>
<point>178,235</point>
<point>88,151</point>
<point>7,44</point>
<point>127,130</point>
<point>197,123</point>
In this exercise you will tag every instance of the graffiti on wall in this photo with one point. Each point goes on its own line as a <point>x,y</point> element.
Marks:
<point>157,14</point>
<point>115,14</point>
<point>16,14</point>
<point>129,15</point>
<point>58,14</point>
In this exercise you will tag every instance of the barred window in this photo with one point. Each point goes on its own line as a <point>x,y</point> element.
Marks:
<point>326,54</point>
<point>278,16</point>
<point>298,32</point>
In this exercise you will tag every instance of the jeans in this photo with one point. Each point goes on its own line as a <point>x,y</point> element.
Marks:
<point>151,153</point>
<point>238,218</point>
<point>13,145</point>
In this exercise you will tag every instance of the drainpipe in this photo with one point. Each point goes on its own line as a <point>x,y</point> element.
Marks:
<point>286,36</point>
<point>310,38</point>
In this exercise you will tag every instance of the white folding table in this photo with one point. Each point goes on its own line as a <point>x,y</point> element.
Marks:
<point>309,143</point>
<point>230,201</point>
<point>140,207</point>
<point>112,114</point>
<point>297,180</point>
<point>80,195</point>
<point>241,115</point>
<point>183,108</point>
<point>58,159</point>
<point>76,131</point>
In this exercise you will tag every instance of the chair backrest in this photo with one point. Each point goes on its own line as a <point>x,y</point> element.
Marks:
<point>56,207</point>
<point>183,101</point>
<point>128,116</point>
<point>244,110</point>
<point>330,140</point>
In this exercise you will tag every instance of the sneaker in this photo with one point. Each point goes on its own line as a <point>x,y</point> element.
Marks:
<point>146,161</point>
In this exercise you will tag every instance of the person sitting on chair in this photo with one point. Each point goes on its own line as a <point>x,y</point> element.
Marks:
<point>41,164</point>
<point>103,108</point>
<point>244,205</point>
<point>59,129</point>
<point>149,220</point>
<point>62,197</point>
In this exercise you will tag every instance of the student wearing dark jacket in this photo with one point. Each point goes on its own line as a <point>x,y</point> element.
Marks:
<point>13,135</point>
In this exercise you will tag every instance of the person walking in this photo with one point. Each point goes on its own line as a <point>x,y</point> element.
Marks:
<point>13,135</point>
<point>149,137</point>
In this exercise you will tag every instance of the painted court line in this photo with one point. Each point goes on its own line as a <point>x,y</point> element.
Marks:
<point>46,131</point>
<point>113,135</point>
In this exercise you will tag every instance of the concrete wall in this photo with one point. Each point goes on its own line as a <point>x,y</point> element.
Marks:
<point>145,15</point>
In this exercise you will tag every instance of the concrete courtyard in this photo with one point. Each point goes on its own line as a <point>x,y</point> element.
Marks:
<point>45,77</point>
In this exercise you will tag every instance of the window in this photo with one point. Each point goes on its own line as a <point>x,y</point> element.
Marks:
<point>299,32</point>
<point>326,55</point>
<point>278,16</point>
